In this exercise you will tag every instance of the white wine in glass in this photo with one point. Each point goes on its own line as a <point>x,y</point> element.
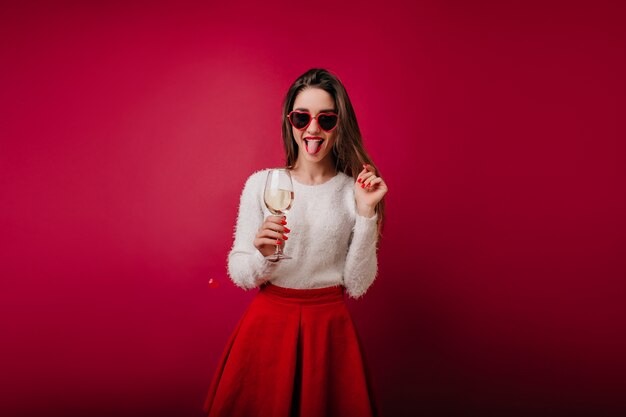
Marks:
<point>278,197</point>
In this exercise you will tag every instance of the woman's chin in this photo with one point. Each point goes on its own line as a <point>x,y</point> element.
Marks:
<point>318,157</point>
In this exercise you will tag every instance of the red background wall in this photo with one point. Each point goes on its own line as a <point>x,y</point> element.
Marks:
<point>127,133</point>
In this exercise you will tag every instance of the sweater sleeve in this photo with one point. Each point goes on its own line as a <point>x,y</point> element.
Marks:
<point>246,265</point>
<point>361,262</point>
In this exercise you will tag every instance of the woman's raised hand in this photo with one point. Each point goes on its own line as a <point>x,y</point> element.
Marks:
<point>272,232</point>
<point>369,189</point>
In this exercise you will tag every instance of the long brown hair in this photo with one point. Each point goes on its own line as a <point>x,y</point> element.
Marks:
<point>348,151</point>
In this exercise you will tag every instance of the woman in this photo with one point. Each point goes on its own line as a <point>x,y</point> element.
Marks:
<point>295,352</point>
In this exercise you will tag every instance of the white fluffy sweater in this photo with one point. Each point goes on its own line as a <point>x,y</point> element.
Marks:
<point>329,242</point>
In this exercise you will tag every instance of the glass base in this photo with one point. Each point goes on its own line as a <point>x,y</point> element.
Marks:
<point>274,257</point>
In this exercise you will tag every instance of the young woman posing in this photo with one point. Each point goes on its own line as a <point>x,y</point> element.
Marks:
<point>295,352</point>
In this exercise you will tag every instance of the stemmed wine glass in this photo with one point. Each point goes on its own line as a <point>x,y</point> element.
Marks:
<point>278,197</point>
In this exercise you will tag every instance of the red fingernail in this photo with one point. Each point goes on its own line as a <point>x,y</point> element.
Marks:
<point>285,237</point>
<point>278,242</point>
<point>363,185</point>
<point>283,222</point>
<point>359,180</point>
<point>287,230</point>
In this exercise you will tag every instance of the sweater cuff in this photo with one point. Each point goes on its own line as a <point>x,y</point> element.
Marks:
<point>374,218</point>
<point>366,228</point>
<point>263,266</point>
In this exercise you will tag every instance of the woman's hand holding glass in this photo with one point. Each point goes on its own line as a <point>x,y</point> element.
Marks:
<point>278,198</point>
<point>272,232</point>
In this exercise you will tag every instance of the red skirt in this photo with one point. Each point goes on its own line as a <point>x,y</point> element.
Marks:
<point>293,353</point>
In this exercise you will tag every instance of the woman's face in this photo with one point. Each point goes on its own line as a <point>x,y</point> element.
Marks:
<point>314,144</point>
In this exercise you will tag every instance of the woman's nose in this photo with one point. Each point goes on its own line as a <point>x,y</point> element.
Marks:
<point>313,127</point>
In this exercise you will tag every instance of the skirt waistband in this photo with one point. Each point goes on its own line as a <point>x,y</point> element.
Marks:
<point>303,296</point>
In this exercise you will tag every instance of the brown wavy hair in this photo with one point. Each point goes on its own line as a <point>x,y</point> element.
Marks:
<point>348,151</point>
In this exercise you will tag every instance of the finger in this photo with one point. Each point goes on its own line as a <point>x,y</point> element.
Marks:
<point>369,179</point>
<point>369,168</point>
<point>373,183</point>
<point>267,242</point>
<point>364,177</point>
<point>358,177</point>
<point>267,233</point>
<point>276,227</point>
<point>276,219</point>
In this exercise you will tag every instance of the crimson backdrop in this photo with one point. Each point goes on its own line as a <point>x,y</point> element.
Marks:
<point>128,131</point>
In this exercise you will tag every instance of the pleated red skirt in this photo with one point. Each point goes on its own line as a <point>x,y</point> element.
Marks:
<point>293,353</point>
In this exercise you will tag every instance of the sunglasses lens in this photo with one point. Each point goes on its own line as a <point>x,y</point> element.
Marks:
<point>327,121</point>
<point>300,120</point>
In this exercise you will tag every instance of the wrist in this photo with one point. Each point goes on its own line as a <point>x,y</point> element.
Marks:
<point>366,211</point>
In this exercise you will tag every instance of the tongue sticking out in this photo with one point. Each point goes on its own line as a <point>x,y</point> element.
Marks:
<point>313,146</point>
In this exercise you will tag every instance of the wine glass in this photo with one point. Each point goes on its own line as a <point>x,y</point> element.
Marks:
<point>278,197</point>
